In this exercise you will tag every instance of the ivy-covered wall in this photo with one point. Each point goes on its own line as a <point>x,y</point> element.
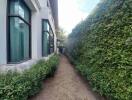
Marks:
<point>101,48</point>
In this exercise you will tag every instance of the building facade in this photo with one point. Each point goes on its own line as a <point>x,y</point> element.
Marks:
<point>27,32</point>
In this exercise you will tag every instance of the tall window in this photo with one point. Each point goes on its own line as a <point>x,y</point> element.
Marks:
<point>47,38</point>
<point>19,31</point>
<point>51,42</point>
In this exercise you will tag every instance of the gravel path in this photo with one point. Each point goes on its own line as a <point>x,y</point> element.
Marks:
<point>65,85</point>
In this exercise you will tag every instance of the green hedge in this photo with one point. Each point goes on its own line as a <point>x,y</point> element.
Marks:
<point>101,47</point>
<point>15,86</point>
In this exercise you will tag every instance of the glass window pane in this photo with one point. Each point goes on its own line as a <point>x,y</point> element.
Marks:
<point>45,44</point>
<point>48,43</point>
<point>19,8</point>
<point>19,40</point>
<point>51,43</point>
<point>14,7</point>
<point>24,12</point>
<point>46,26</point>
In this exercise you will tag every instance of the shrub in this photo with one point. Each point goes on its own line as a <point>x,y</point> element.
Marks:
<point>16,86</point>
<point>101,47</point>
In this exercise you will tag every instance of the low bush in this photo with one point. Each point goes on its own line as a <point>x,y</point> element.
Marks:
<point>16,86</point>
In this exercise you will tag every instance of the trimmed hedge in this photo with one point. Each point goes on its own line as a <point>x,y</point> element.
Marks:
<point>101,48</point>
<point>16,86</point>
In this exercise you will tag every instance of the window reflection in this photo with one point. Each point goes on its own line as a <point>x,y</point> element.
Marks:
<point>47,38</point>
<point>19,42</point>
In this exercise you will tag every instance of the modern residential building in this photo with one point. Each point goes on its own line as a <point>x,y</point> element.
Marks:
<point>27,32</point>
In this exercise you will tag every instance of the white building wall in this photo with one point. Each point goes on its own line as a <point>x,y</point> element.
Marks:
<point>36,45</point>
<point>35,32</point>
<point>43,3</point>
<point>3,50</point>
<point>39,11</point>
<point>37,15</point>
<point>46,13</point>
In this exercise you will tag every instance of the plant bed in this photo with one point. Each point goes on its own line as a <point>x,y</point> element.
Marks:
<point>19,86</point>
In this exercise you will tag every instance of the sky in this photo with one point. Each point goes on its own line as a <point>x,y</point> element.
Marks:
<point>71,12</point>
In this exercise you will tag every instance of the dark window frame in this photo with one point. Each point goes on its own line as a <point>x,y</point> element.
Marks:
<point>8,31</point>
<point>49,36</point>
<point>48,4</point>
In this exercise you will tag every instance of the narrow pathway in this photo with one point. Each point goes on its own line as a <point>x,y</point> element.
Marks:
<point>65,85</point>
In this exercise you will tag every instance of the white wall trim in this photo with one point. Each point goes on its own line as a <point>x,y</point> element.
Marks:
<point>38,4</point>
<point>22,66</point>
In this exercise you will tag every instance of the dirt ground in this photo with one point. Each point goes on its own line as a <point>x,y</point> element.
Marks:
<point>66,85</point>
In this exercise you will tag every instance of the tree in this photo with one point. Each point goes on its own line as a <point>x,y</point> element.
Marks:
<point>61,37</point>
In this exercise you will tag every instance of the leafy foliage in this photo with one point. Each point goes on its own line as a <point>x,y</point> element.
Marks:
<point>16,86</point>
<point>101,47</point>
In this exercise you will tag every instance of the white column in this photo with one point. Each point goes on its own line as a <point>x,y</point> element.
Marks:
<point>36,35</point>
<point>3,16</point>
